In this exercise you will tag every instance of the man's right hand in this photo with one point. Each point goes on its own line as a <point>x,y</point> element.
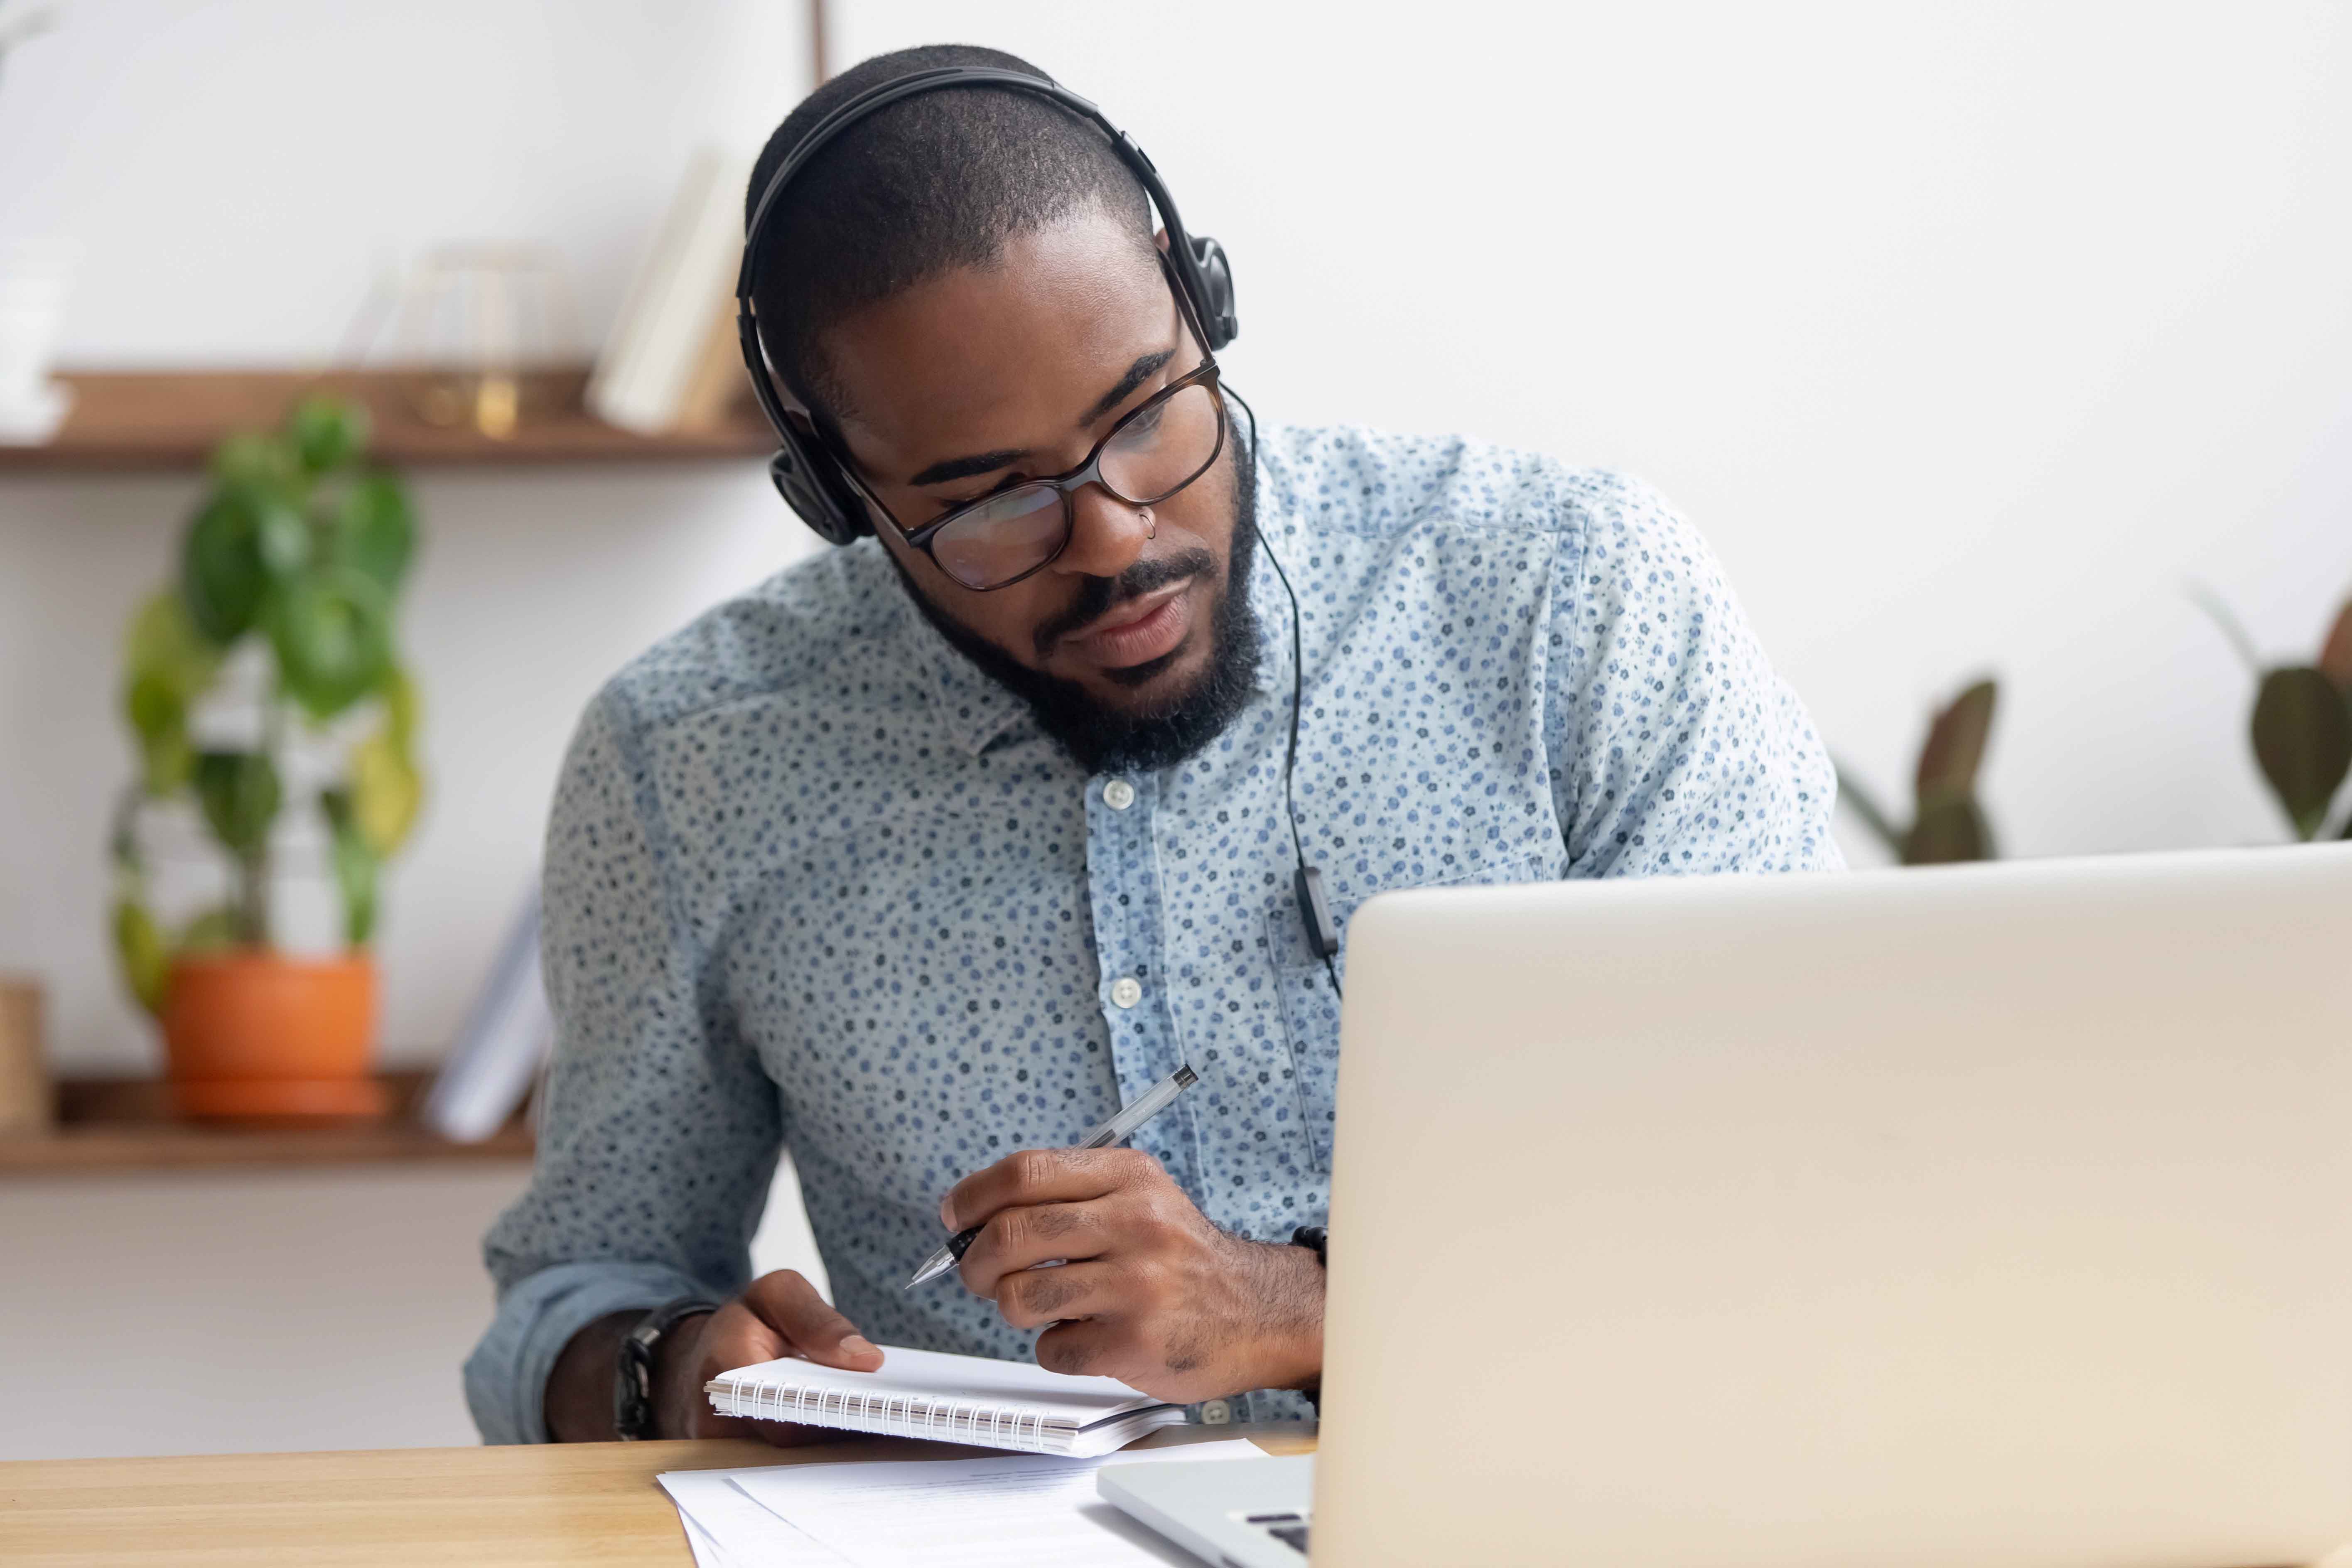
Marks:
<point>781,1315</point>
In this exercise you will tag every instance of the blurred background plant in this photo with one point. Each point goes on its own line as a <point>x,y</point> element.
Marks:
<point>1947,822</point>
<point>296,552</point>
<point>2302,722</point>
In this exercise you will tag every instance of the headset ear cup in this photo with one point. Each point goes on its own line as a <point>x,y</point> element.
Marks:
<point>1217,275</point>
<point>817,496</point>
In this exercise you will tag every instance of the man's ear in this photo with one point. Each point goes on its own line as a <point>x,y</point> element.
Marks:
<point>1160,239</point>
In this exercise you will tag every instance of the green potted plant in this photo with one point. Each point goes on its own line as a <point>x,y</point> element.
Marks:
<point>1947,822</point>
<point>262,684</point>
<point>2301,725</point>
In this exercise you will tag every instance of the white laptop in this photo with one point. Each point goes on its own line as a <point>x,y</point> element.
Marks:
<point>1989,1215</point>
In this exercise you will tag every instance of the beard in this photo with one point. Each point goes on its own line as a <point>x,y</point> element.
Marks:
<point>1103,739</point>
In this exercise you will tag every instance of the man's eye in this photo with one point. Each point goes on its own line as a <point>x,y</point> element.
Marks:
<point>950,503</point>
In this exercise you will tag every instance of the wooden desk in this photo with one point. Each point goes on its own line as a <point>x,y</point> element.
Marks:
<point>572,1504</point>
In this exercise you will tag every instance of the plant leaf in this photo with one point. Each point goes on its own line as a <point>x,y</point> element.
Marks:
<point>283,541</point>
<point>1949,829</point>
<point>385,792</point>
<point>2335,654</point>
<point>165,642</point>
<point>1865,807</point>
<point>332,633</point>
<point>140,948</point>
<point>2210,602</point>
<point>158,717</point>
<point>214,931</point>
<point>375,528</point>
<point>2302,741</point>
<point>255,460</point>
<point>402,708</point>
<point>240,795</point>
<point>222,577</point>
<point>356,867</point>
<point>170,665</point>
<point>326,432</point>
<point>1955,748</point>
<point>122,840</point>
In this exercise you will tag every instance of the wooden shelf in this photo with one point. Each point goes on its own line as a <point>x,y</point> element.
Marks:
<point>172,419</point>
<point>126,1124</point>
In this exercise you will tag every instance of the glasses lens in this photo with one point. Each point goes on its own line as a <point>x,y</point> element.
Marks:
<point>1002,537</point>
<point>1165,447</point>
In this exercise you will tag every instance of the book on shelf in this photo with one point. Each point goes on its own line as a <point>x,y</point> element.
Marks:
<point>663,367</point>
<point>507,1036</point>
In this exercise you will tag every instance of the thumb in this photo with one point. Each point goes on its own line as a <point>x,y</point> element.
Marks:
<point>809,1325</point>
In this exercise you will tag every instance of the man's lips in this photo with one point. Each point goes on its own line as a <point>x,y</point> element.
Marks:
<point>1142,629</point>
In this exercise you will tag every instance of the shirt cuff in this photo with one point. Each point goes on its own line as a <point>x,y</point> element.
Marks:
<point>506,1377</point>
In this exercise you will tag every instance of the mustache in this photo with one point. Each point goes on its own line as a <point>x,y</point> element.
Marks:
<point>1097,597</point>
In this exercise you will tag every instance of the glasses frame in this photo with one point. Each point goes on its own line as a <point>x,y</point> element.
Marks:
<point>1088,472</point>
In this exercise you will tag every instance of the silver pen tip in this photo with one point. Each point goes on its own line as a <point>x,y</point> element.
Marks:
<point>938,1263</point>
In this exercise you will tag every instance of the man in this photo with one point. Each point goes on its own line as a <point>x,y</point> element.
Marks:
<point>923,857</point>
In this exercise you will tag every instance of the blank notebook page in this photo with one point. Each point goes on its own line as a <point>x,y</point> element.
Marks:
<point>959,1398</point>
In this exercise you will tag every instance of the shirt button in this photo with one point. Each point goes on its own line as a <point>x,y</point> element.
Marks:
<point>1127,991</point>
<point>1118,795</point>
<point>1216,1412</point>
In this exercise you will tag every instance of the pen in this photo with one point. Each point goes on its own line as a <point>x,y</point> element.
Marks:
<point>1117,1129</point>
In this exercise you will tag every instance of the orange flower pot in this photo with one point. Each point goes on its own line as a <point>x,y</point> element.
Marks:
<point>252,1034</point>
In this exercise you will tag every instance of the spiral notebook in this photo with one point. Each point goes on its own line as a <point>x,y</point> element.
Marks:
<point>952,1398</point>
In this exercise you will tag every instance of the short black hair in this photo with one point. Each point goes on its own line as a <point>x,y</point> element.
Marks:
<point>932,183</point>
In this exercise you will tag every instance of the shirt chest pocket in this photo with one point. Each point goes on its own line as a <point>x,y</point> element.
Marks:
<point>1310,1008</point>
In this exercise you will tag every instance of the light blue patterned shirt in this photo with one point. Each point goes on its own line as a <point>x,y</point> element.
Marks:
<point>814,883</point>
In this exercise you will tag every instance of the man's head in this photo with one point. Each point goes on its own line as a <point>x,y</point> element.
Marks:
<point>963,291</point>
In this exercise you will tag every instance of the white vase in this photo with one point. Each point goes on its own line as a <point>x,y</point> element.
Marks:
<point>36,275</point>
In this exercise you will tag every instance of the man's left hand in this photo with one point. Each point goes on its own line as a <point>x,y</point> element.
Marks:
<point>1150,1292</point>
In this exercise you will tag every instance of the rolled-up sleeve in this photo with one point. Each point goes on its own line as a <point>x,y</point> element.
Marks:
<point>660,1130</point>
<point>1675,748</point>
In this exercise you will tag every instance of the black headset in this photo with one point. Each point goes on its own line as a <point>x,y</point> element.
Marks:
<point>806,472</point>
<point>809,476</point>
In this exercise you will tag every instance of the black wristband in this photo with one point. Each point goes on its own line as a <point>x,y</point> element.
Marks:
<point>1316,1240</point>
<point>632,1375</point>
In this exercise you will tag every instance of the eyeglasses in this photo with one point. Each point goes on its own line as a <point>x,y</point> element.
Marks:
<point>1149,456</point>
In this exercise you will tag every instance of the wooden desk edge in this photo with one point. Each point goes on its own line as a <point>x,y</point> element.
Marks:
<point>498,1507</point>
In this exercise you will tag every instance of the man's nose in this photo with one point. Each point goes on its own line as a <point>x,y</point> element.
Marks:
<point>1106,535</point>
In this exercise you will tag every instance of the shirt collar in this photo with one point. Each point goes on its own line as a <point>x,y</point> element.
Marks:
<point>972,707</point>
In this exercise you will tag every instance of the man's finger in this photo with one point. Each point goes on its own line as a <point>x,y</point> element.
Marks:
<point>810,1327</point>
<point>1041,1176</point>
<point>1032,1297</point>
<point>736,1336</point>
<point>1093,1347</point>
<point>1018,1238</point>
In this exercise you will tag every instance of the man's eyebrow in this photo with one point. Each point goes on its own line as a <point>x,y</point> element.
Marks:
<point>1145,367</point>
<point>965,467</point>
<point>1141,371</point>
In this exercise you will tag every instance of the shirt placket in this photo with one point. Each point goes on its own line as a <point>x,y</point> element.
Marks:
<point>1123,883</point>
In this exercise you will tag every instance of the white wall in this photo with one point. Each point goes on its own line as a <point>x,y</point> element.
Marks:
<point>259,1311</point>
<point>238,175</point>
<point>1966,332</point>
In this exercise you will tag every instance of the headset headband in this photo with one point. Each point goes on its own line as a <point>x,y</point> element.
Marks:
<point>883,94</point>
<point>802,468</point>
